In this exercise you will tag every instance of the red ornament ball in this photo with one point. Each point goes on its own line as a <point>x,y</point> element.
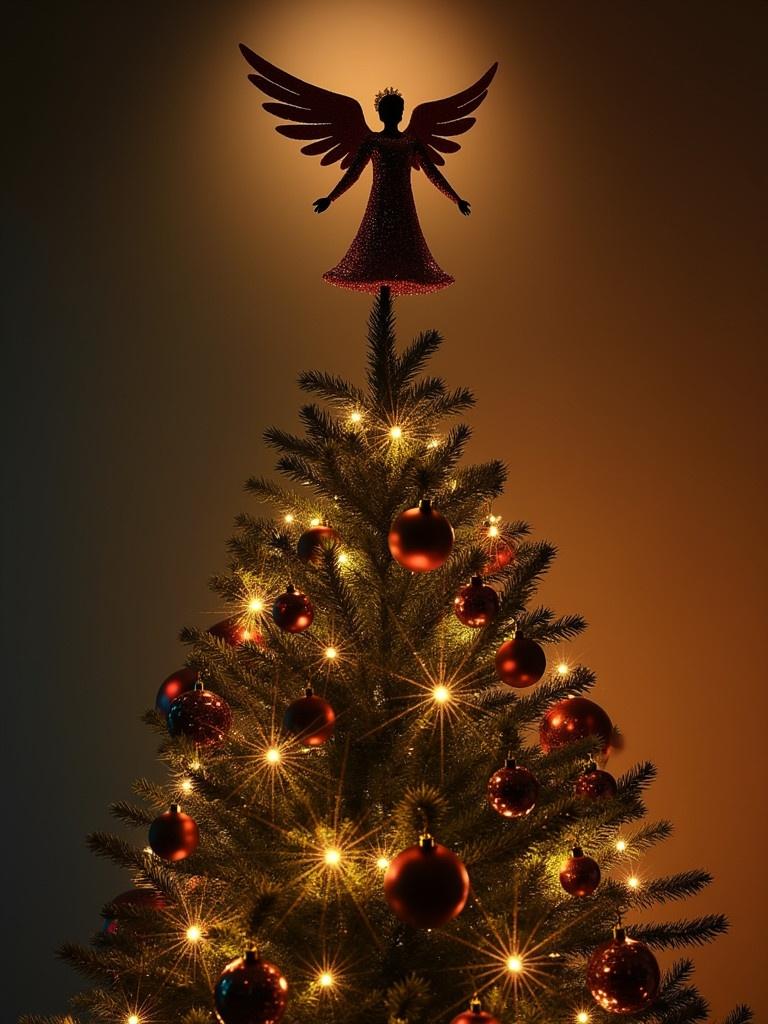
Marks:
<point>421,538</point>
<point>250,991</point>
<point>236,632</point>
<point>476,604</point>
<point>623,975</point>
<point>312,541</point>
<point>293,611</point>
<point>580,875</point>
<point>595,784</point>
<point>475,1015</point>
<point>136,899</point>
<point>574,719</point>
<point>426,885</point>
<point>200,715</point>
<point>502,553</point>
<point>174,835</point>
<point>177,683</point>
<point>512,790</point>
<point>520,662</point>
<point>310,718</point>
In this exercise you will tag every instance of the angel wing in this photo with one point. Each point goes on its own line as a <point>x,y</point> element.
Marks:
<point>431,122</point>
<point>336,121</point>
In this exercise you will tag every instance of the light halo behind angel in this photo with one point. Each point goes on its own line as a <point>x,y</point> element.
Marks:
<point>389,248</point>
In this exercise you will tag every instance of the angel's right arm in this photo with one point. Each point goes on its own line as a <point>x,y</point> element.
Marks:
<point>353,172</point>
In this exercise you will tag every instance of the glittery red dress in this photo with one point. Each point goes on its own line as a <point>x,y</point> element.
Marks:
<point>389,247</point>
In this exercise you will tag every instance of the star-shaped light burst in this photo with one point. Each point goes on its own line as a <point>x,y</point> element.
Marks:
<point>189,922</point>
<point>443,694</point>
<point>330,977</point>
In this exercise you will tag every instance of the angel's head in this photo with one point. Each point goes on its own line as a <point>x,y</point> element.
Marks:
<point>389,106</point>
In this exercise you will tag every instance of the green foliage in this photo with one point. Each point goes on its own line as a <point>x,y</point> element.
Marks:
<point>399,762</point>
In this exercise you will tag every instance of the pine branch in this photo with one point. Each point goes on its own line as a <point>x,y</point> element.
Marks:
<point>382,360</point>
<point>671,887</point>
<point>332,388</point>
<point>131,814</point>
<point>741,1014</point>
<point>416,356</point>
<point>676,934</point>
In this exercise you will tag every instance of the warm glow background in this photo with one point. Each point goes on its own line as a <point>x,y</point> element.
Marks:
<point>164,290</point>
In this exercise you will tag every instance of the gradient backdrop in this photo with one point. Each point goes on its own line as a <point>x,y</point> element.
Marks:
<point>163,290</point>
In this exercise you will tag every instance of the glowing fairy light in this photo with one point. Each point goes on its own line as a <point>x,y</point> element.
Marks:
<point>633,882</point>
<point>342,558</point>
<point>288,518</point>
<point>194,933</point>
<point>314,522</point>
<point>514,964</point>
<point>330,653</point>
<point>441,694</point>
<point>332,857</point>
<point>133,1018</point>
<point>325,980</point>
<point>186,786</point>
<point>273,756</point>
<point>434,443</point>
<point>563,668</point>
<point>195,766</point>
<point>382,863</point>
<point>256,605</point>
<point>621,845</point>
<point>356,416</point>
<point>395,432</point>
<point>493,531</point>
<point>582,1017</point>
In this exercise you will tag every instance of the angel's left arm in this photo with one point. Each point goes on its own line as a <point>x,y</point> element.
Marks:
<point>353,172</point>
<point>438,180</point>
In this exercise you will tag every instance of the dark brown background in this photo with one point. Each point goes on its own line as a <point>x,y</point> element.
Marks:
<point>164,290</point>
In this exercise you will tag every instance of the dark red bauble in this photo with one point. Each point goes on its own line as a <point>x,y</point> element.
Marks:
<point>174,835</point>
<point>235,632</point>
<point>580,875</point>
<point>426,885</point>
<point>574,719</point>
<point>520,662</point>
<point>512,790</point>
<point>200,715</point>
<point>310,718</point>
<point>475,1015</point>
<point>312,541</point>
<point>502,553</point>
<point>476,604</point>
<point>176,684</point>
<point>595,784</point>
<point>421,538</point>
<point>623,975</point>
<point>136,899</point>
<point>250,991</point>
<point>293,611</point>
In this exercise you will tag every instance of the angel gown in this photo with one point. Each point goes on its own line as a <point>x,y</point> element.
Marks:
<point>389,247</point>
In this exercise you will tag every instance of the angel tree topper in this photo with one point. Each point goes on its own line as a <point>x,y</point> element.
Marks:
<point>389,247</point>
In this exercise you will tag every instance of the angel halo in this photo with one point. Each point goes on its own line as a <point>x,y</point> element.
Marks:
<point>389,249</point>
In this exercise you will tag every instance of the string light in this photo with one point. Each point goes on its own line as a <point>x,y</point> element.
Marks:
<point>330,653</point>
<point>621,845</point>
<point>194,933</point>
<point>395,432</point>
<point>514,964</point>
<point>633,882</point>
<point>355,417</point>
<point>433,443</point>
<point>314,522</point>
<point>133,1019</point>
<point>195,766</point>
<point>582,1017</point>
<point>441,694</point>
<point>493,531</point>
<point>325,980</point>
<point>186,786</point>
<point>342,558</point>
<point>288,518</point>
<point>272,755</point>
<point>563,668</point>
<point>256,605</point>
<point>382,863</point>
<point>332,857</point>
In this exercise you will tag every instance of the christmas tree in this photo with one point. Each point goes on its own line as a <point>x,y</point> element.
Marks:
<point>386,800</point>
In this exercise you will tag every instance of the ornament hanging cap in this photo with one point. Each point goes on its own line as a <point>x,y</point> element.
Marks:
<point>475,1005</point>
<point>426,842</point>
<point>250,956</point>
<point>425,505</point>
